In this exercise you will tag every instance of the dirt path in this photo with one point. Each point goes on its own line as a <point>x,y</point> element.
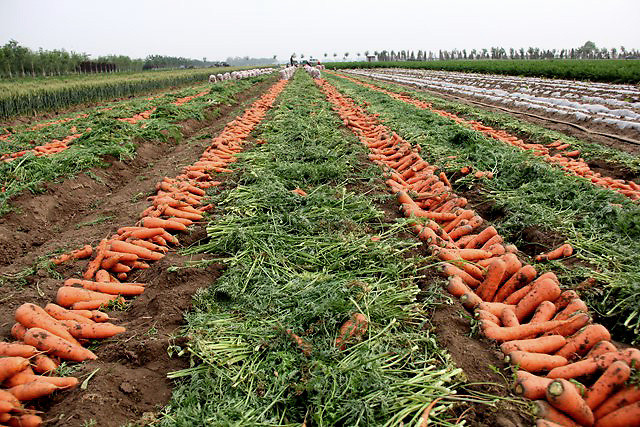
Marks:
<point>130,374</point>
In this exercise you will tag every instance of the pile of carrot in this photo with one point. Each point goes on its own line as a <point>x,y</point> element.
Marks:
<point>53,147</point>
<point>546,332</point>
<point>144,115</point>
<point>186,99</point>
<point>45,336</point>
<point>566,160</point>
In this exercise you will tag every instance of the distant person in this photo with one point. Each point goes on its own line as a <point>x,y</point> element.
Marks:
<point>291,61</point>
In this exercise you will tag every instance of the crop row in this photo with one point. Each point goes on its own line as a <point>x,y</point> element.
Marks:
<point>31,97</point>
<point>542,329</point>
<point>614,71</point>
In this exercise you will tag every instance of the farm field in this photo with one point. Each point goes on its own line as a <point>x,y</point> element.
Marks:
<point>331,251</point>
<point>609,108</point>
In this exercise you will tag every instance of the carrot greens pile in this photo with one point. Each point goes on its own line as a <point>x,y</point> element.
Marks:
<point>603,226</point>
<point>304,265</point>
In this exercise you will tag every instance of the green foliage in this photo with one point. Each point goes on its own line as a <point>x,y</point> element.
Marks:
<point>600,70</point>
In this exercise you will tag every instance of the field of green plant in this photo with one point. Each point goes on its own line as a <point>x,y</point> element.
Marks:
<point>600,70</point>
<point>30,95</point>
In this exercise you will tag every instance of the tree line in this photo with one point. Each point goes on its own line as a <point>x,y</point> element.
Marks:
<point>20,61</point>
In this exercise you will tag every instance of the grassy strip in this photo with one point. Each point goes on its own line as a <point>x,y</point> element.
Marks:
<point>603,226</point>
<point>306,264</point>
<point>599,70</point>
<point>532,132</point>
<point>25,96</point>
<point>107,137</point>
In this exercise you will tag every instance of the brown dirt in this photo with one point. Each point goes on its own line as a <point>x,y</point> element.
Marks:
<point>131,381</point>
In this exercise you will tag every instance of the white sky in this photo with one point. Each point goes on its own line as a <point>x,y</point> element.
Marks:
<point>218,29</point>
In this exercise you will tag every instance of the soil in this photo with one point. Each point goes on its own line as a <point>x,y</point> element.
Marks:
<point>129,381</point>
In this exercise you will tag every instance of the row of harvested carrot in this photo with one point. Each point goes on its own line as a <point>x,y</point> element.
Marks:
<point>57,146</point>
<point>58,331</point>
<point>545,332</point>
<point>566,160</point>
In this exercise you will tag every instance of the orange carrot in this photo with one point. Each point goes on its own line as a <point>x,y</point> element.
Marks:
<point>113,288</point>
<point>17,350</point>
<point>547,412</point>
<point>572,325</point>
<point>44,364</point>
<point>25,420</point>
<point>519,279</point>
<point>619,400</point>
<point>355,327</point>
<point>151,222</point>
<point>559,252</point>
<point>148,245</point>
<point>495,273</point>
<point>492,241</point>
<point>545,290</point>
<point>545,311</point>
<point>627,416</point>
<point>565,298</point>
<point>304,346</point>
<point>451,270</point>
<point>582,341</point>
<point>67,296</point>
<point>590,365</point>
<point>9,366</point>
<point>485,315</point>
<point>513,265</point>
<point>482,237</point>
<point>18,330</point>
<point>495,307</point>
<point>32,390</point>
<point>32,316</point>
<point>94,265</point>
<point>531,386</point>
<point>102,276</point>
<point>125,247</point>
<point>564,396</point>
<point>454,258</point>
<point>546,423</point>
<point>518,332</point>
<point>534,362</point>
<point>613,377</point>
<point>508,318</point>
<point>601,347</point>
<point>456,287</point>
<point>470,300</point>
<point>535,345</point>
<point>516,296</point>
<point>27,377</point>
<point>60,313</point>
<point>574,306</point>
<point>95,330</point>
<point>52,344</point>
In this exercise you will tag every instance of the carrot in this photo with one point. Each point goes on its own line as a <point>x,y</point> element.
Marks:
<point>454,258</point>
<point>545,311</point>
<point>571,325</point>
<point>545,290</point>
<point>592,364</point>
<point>44,364</point>
<point>148,245</point>
<point>17,350</point>
<point>513,265</point>
<point>304,346</point>
<point>462,216</point>
<point>564,396</point>
<point>67,296</point>
<point>534,362</point>
<point>95,330</point>
<point>424,418</point>
<point>493,278</point>
<point>102,276</point>
<point>151,222</point>
<point>25,420</point>
<point>495,308</point>
<point>613,377</point>
<point>32,390</point>
<point>601,347</point>
<point>627,416</point>
<point>461,231</point>
<point>517,332</point>
<point>535,345</point>
<point>582,341</point>
<point>547,423</point>
<point>32,316</point>
<point>456,287</point>
<point>52,344</point>
<point>9,366</point>
<point>519,279</point>
<point>93,304</point>
<point>530,386</point>
<point>60,313</point>
<point>451,270</point>
<point>516,296</point>
<point>571,308</point>
<point>565,298</point>
<point>8,397</point>
<point>485,315</point>
<point>482,237</point>
<point>355,327</point>
<point>94,265</point>
<point>18,330</point>
<point>98,316</point>
<point>125,247</point>
<point>470,300</point>
<point>619,400</point>
<point>26,377</point>
<point>559,252</point>
<point>82,253</point>
<point>113,288</point>
<point>508,318</point>
<point>492,241</point>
